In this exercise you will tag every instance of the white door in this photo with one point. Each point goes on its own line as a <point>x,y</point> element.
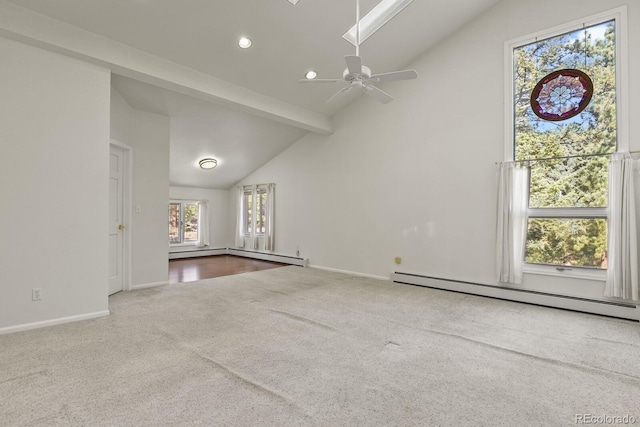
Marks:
<point>116,225</point>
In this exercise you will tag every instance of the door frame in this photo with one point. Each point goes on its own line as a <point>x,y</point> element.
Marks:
<point>127,213</point>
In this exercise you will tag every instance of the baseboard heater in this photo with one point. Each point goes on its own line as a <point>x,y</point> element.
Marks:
<point>265,256</point>
<point>285,259</point>
<point>605,308</point>
<point>197,253</point>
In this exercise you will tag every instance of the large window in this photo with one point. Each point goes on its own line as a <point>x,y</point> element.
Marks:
<point>568,157</point>
<point>183,223</point>
<point>255,214</point>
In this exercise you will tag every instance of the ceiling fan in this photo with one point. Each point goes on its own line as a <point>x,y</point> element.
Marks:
<point>359,77</point>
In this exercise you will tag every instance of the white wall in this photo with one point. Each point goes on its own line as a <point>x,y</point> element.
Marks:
<point>54,134</point>
<point>148,134</point>
<point>416,178</point>
<point>218,211</point>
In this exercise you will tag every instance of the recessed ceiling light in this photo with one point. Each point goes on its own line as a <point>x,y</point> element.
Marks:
<point>208,163</point>
<point>311,75</point>
<point>244,42</point>
<point>375,19</point>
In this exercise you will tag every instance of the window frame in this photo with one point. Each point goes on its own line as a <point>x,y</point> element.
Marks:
<point>260,197</point>
<point>254,221</point>
<point>619,15</point>
<point>247,215</point>
<point>181,225</point>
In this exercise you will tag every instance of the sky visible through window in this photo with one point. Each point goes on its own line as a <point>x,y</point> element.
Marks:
<point>542,62</point>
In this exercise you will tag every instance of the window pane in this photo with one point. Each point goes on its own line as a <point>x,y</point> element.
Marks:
<point>248,213</point>
<point>190,223</point>
<point>174,223</point>
<point>261,211</point>
<point>568,242</point>
<point>591,50</point>
<point>565,178</point>
<point>574,182</point>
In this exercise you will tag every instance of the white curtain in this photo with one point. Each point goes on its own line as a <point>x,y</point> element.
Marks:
<point>203,219</point>
<point>622,269</point>
<point>513,200</point>
<point>269,232</point>
<point>239,241</point>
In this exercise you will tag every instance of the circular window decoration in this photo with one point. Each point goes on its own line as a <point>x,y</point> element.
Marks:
<point>561,95</point>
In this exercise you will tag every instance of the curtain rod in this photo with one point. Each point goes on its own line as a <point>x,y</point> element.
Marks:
<point>564,157</point>
<point>256,185</point>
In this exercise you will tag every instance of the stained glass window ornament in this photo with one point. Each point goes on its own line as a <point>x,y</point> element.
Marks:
<point>561,95</point>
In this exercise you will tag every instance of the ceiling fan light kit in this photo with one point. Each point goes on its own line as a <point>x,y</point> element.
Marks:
<point>359,76</point>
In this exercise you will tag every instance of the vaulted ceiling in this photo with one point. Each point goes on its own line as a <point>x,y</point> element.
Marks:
<point>287,40</point>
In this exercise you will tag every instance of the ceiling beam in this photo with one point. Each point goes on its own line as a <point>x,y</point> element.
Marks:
<point>19,24</point>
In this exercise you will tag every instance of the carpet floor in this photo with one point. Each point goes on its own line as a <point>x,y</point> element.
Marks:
<point>300,346</point>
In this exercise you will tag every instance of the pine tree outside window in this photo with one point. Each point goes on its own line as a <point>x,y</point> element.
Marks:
<point>567,225</point>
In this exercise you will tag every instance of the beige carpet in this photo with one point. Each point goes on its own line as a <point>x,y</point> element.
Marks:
<point>294,346</point>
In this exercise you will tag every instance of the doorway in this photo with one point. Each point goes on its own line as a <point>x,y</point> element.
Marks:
<point>119,178</point>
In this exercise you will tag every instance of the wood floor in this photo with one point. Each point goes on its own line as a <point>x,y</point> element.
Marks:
<point>192,269</point>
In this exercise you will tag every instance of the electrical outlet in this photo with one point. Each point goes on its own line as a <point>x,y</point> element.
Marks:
<point>36,294</point>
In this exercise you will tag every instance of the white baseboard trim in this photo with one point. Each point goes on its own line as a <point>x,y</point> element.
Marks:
<point>285,259</point>
<point>197,253</point>
<point>52,322</point>
<point>605,308</point>
<point>353,273</point>
<point>148,285</point>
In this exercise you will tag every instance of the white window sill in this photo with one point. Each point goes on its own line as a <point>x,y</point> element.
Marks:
<point>569,272</point>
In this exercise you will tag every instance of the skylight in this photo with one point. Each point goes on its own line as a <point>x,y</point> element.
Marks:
<point>375,19</point>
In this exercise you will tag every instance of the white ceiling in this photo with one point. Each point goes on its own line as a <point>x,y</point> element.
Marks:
<point>239,141</point>
<point>288,40</point>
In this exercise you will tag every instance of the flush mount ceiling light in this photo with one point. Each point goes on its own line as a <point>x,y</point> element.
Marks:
<point>208,163</point>
<point>244,42</point>
<point>311,75</point>
<point>374,20</point>
<point>293,1</point>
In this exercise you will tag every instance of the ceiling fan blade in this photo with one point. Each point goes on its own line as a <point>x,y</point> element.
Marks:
<point>339,95</point>
<point>320,80</point>
<point>354,64</point>
<point>394,76</point>
<point>378,94</point>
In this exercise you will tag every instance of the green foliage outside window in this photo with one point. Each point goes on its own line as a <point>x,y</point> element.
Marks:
<point>567,181</point>
<point>190,223</point>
